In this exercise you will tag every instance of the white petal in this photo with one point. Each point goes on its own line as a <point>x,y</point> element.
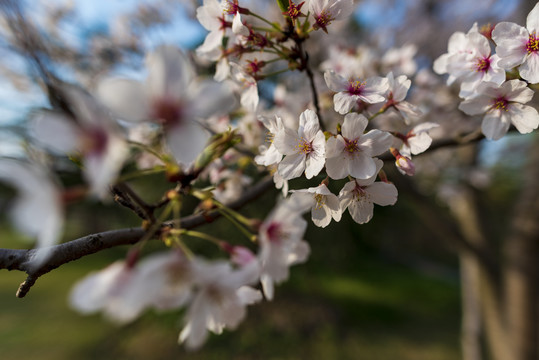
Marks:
<point>361,211</point>
<point>493,127</point>
<point>382,193</point>
<point>530,69</point>
<point>362,166</point>
<point>292,166</point>
<point>169,72</point>
<point>127,98</point>
<point>532,21</point>
<point>525,118</point>
<point>353,126</point>
<point>186,141</point>
<point>344,102</point>
<point>56,131</point>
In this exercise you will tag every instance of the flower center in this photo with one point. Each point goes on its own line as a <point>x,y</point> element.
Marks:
<point>533,43</point>
<point>323,20</point>
<point>359,193</point>
<point>95,141</point>
<point>355,87</point>
<point>230,7</point>
<point>294,11</point>
<point>482,64</point>
<point>351,145</point>
<point>275,232</point>
<point>166,111</point>
<point>501,104</point>
<point>320,201</point>
<point>304,147</point>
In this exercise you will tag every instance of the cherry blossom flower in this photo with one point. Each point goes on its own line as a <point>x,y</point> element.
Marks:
<point>90,132</point>
<point>325,12</point>
<point>458,44</point>
<point>171,97</point>
<point>352,151</point>
<point>270,155</point>
<point>417,140</point>
<point>123,290</point>
<point>325,207</point>
<point>359,196</point>
<point>220,300</point>
<point>212,18</point>
<point>398,88</point>
<point>304,150</point>
<point>516,45</point>
<point>350,91</point>
<point>503,106</point>
<point>475,65</point>
<point>248,87</point>
<point>281,244</point>
<point>37,210</point>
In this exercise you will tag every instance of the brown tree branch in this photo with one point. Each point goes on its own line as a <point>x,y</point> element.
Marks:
<point>60,254</point>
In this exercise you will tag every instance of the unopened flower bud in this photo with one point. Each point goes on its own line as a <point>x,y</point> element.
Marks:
<point>405,165</point>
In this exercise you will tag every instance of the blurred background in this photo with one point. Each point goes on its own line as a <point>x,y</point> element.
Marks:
<point>434,277</point>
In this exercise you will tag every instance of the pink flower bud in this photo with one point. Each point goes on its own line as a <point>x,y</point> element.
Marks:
<point>405,165</point>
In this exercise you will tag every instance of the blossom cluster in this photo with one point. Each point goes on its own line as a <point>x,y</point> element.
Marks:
<point>485,86</point>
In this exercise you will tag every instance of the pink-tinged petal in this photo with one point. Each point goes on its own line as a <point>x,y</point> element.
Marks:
<point>477,105</point>
<point>517,91</point>
<point>344,102</point>
<point>186,141</point>
<point>493,126</point>
<point>510,42</point>
<point>345,195</point>
<point>525,118</point>
<point>321,216</point>
<point>361,210</point>
<point>169,72</point>
<point>308,125</point>
<point>532,21</point>
<point>353,126</point>
<point>335,81</point>
<point>292,166</point>
<point>361,166</point>
<point>126,98</point>
<point>382,193</point>
<point>334,146</point>
<point>286,141</point>
<point>375,142</point>
<point>530,69</point>
<point>248,295</point>
<point>55,131</point>
<point>337,167</point>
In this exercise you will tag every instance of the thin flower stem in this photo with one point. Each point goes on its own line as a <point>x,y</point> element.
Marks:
<point>266,21</point>
<point>276,72</point>
<point>139,173</point>
<point>236,223</point>
<point>146,148</point>
<point>204,236</point>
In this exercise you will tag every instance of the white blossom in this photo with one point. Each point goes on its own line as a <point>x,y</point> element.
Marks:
<point>351,90</point>
<point>325,206</point>
<point>304,150</point>
<point>352,151</point>
<point>516,45</point>
<point>503,105</point>
<point>359,196</point>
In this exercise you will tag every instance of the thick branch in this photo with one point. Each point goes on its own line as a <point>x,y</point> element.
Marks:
<point>63,253</point>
